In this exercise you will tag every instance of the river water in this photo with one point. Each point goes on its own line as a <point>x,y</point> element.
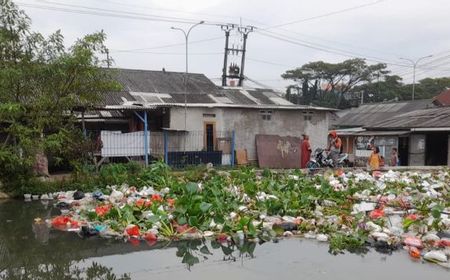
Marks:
<point>29,251</point>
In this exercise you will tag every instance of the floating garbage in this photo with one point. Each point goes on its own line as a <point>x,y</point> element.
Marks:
<point>349,210</point>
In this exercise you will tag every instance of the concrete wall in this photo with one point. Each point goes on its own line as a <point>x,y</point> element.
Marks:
<point>417,150</point>
<point>247,123</point>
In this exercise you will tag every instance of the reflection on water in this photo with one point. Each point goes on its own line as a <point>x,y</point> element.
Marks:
<point>29,250</point>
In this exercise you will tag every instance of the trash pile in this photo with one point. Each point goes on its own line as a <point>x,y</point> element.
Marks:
<point>352,211</point>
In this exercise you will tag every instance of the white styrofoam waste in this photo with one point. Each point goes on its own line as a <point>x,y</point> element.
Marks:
<point>435,256</point>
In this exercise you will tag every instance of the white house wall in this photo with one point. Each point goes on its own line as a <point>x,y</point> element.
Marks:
<point>247,123</point>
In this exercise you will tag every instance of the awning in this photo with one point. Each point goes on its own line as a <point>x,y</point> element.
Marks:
<point>372,132</point>
<point>384,133</point>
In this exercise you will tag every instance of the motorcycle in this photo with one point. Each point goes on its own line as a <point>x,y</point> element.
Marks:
<point>322,159</point>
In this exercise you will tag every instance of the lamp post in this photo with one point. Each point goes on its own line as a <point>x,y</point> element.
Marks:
<point>414,64</point>
<point>186,36</point>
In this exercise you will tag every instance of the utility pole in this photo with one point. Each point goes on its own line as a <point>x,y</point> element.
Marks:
<point>244,31</point>
<point>235,71</point>
<point>414,64</point>
<point>227,29</point>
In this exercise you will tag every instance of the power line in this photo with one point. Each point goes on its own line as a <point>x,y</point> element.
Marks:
<point>268,62</point>
<point>111,13</point>
<point>166,10</point>
<point>164,53</point>
<point>324,48</point>
<point>327,14</point>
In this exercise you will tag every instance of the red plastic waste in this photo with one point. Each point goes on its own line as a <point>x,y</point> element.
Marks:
<point>140,202</point>
<point>102,210</point>
<point>64,222</point>
<point>156,197</point>
<point>376,214</point>
<point>412,217</point>
<point>414,252</point>
<point>170,202</point>
<point>222,237</point>
<point>442,243</point>
<point>132,230</point>
<point>413,242</point>
<point>150,236</point>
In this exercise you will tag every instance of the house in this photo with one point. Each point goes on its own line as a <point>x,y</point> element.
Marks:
<point>426,134</point>
<point>188,112</point>
<point>442,99</point>
<point>356,127</point>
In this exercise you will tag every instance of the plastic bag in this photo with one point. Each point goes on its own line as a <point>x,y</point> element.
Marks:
<point>376,214</point>
<point>132,230</point>
<point>413,242</point>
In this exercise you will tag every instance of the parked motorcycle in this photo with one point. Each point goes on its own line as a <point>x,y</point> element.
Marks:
<point>322,159</point>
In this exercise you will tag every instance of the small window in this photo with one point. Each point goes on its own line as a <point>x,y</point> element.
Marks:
<point>209,115</point>
<point>307,116</point>
<point>266,114</point>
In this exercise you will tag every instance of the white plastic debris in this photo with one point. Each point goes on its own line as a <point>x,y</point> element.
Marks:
<point>430,237</point>
<point>115,196</point>
<point>372,226</point>
<point>435,256</point>
<point>364,207</point>
<point>322,238</point>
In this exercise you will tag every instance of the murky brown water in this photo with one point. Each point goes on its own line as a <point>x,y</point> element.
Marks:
<point>30,252</point>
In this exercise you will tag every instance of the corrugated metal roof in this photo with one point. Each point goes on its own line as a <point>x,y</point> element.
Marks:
<point>358,131</point>
<point>151,89</point>
<point>163,81</point>
<point>425,118</point>
<point>262,95</point>
<point>368,114</point>
<point>236,96</point>
<point>116,98</point>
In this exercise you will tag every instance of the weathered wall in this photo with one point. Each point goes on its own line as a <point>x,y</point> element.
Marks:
<point>248,122</point>
<point>417,150</point>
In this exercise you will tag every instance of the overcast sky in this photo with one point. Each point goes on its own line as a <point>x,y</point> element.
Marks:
<point>328,30</point>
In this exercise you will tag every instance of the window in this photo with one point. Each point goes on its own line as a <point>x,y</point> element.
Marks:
<point>307,116</point>
<point>266,114</point>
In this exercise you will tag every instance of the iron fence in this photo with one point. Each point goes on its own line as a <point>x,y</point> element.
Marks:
<point>177,148</point>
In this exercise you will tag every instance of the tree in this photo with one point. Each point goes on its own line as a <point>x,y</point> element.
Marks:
<point>388,88</point>
<point>41,83</point>
<point>326,84</point>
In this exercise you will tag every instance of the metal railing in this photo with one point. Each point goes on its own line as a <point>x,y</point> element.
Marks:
<point>177,148</point>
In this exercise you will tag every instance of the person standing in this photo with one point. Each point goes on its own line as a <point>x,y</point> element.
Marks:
<point>305,151</point>
<point>374,159</point>
<point>394,157</point>
<point>335,145</point>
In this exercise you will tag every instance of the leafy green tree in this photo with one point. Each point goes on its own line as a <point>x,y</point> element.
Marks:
<point>41,83</point>
<point>326,84</point>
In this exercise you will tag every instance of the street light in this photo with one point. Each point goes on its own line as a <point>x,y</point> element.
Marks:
<point>186,36</point>
<point>414,63</point>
